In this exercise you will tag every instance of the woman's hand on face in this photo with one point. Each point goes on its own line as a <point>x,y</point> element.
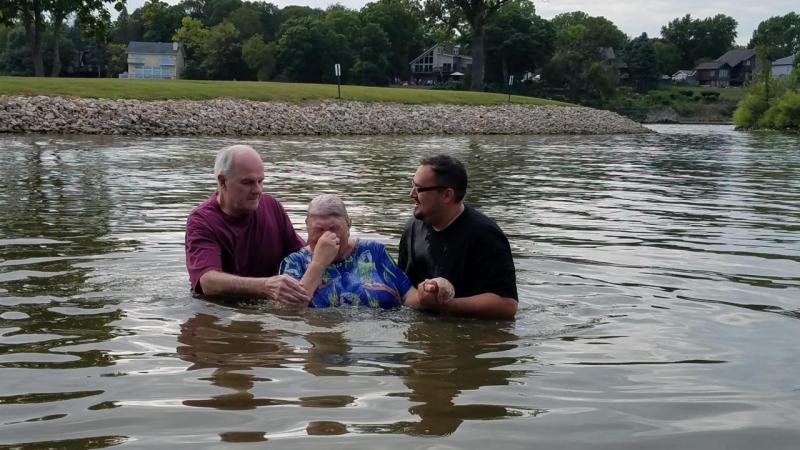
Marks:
<point>326,248</point>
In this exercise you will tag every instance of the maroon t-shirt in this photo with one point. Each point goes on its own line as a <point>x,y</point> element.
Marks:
<point>248,246</point>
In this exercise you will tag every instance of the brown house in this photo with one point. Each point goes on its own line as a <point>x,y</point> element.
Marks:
<point>734,68</point>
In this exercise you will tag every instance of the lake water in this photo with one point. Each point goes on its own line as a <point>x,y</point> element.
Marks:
<point>659,278</point>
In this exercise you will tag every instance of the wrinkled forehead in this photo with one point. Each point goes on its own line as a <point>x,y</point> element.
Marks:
<point>325,220</point>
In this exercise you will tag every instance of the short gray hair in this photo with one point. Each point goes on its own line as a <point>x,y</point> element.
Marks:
<point>223,164</point>
<point>328,205</point>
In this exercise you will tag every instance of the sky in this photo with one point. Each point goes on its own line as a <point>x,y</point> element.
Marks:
<point>630,16</point>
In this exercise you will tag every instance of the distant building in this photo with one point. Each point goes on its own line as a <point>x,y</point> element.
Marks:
<point>783,67</point>
<point>437,63</point>
<point>611,61</point>
<point>685,76</point>
<point>734,68</point>
<point>155,61</point>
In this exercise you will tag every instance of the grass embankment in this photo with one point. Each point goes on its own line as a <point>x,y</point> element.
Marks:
<point>111,88</point>
<point>683,104</point>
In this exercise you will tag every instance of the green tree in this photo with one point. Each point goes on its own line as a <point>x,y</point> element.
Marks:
<point>259,56</point>
<point>475,14</point>
<point>403,23</point>
<point>159,20</point>
<point>307,49</point>
<point>31,14</point>
<point>580,63</point>
<point>193,35</point>
<point>372,65</point>
<point>780,35</point>
<point>223,53</point>
<point>600,32</point>
<point>640,55</point>
<point>696,39</point>
<point>668,60</point>
<point>247,20</point>
<point>210,12</point>
<point>117,55</point>
<point>517,40</point>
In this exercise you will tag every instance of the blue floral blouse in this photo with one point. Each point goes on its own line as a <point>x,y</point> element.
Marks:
<point>368,276</point>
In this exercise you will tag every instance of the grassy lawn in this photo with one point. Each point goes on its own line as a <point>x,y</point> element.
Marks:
<point>252,90</point>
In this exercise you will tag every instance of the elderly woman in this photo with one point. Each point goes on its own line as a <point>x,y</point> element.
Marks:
<point>337,269</point>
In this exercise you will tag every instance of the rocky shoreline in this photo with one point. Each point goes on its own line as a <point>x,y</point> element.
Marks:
<point>44,114</point>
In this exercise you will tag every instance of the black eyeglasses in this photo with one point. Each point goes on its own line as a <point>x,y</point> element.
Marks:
<point>417,188</point>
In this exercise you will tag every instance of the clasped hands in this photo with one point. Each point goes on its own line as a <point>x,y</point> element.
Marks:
<point>435,293</point>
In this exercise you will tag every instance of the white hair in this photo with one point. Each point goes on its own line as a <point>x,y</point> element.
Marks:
<point>328,205</point>
<point>223,164</point>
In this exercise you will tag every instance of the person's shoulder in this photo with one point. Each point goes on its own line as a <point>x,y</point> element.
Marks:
<point>206,208</point>
<point>413,224</point>
<point>299,255</point>
<point>368,244</point>
<point>270,206</point>
<point>477,219</point>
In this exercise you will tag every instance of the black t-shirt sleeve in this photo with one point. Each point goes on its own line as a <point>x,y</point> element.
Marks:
<point>402,253</point>
<point>492,266</point>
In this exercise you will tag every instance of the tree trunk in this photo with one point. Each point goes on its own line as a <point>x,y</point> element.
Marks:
<point>477,57</point>
<point>56,70</point>
<point>32,21</point>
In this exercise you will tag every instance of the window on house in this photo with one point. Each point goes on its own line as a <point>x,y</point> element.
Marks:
<point>722,73</point>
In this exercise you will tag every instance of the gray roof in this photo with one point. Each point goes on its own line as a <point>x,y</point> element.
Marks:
<point>732,58</point>
<point>788,61</point>
<point>151,47</point>
<point>736,56</point>
<point>711,65</point>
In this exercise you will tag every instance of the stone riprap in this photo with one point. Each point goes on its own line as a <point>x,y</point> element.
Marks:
<point>43,114</point>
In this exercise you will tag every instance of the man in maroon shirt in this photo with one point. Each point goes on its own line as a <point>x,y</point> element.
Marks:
<point>236,239</point>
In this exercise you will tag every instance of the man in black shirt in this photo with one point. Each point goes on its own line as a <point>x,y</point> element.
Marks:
<point>448,239</point>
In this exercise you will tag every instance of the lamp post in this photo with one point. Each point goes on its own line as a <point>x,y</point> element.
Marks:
<point>337,69</point>
<point>510,82</point>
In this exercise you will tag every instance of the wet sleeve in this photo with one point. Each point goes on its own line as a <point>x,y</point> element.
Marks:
<point>402,253</point>
<point>392,274</point>
<point>493,266</point>
<point>203,252</point>
<point>293,265</point>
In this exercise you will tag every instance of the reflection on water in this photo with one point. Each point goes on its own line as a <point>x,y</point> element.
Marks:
<point>658,275</point>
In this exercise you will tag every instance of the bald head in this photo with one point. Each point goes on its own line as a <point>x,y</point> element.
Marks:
<point>229,158</point>
<point>240,174</point>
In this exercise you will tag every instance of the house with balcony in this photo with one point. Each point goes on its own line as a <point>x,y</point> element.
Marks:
<point>438,63</point>
<point>155,61</point>
<point>734,68</point>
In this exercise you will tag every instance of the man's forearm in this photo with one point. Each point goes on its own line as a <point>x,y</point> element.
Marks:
<point>487,305</point>
<point>221,283</point>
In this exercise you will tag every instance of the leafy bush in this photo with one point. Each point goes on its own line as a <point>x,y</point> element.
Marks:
<point>785,113</point>
<point>686,92</point>
<point>751,108</point>
<point>710,96</point>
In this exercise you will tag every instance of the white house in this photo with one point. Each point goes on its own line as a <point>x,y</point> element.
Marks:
<point>437,63</point>
<point>154,60</point>
<point>783,67</point>
<point>685,76</point>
